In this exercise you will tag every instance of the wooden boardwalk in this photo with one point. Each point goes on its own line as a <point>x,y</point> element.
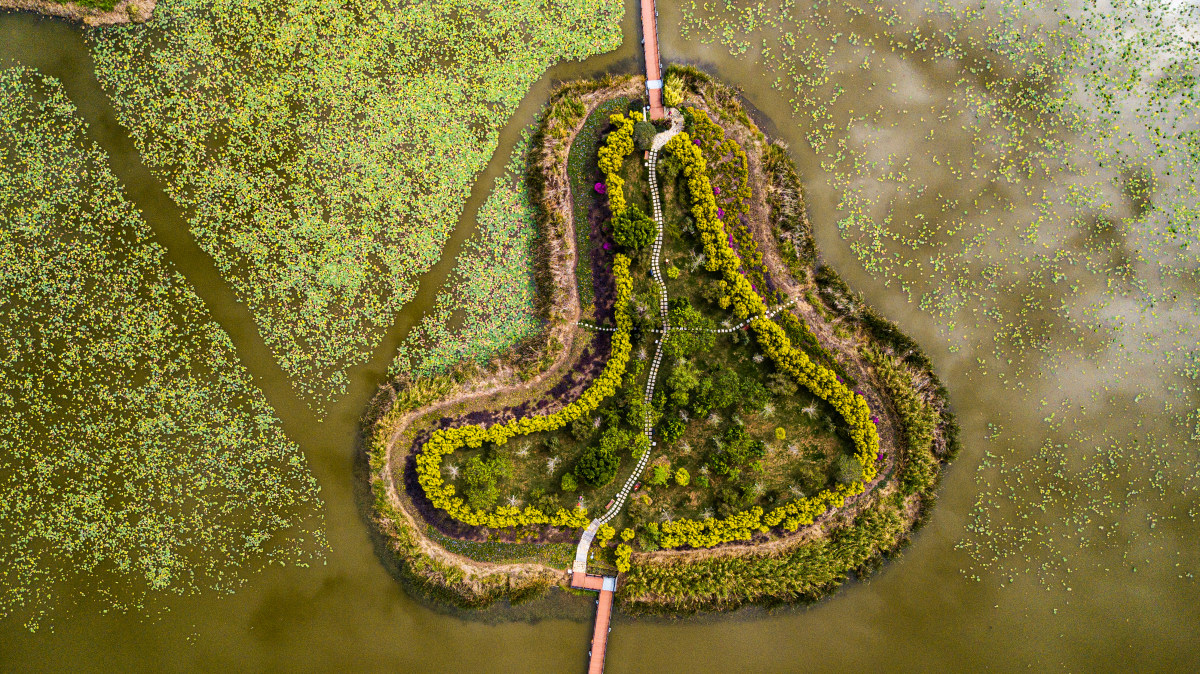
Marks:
<point>606,586</point>
<point>653,60</point>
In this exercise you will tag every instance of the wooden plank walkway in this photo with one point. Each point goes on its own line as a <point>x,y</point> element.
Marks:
<point>600,633</point>
<point>653,61</point>
<point>606,586</point>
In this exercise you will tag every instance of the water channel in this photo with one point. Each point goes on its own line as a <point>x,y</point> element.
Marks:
<point>922,611</point>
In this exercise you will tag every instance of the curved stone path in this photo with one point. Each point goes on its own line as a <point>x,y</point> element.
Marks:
<point>585,541</point>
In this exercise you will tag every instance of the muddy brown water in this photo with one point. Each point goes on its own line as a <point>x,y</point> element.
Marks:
<point>920,612</point>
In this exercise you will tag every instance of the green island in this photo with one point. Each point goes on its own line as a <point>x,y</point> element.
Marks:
<point>711,416</point>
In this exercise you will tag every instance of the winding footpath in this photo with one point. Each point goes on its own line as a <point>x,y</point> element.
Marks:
<point>589,534</point>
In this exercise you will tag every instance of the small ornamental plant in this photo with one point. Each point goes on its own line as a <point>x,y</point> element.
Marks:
<point>624,552</point>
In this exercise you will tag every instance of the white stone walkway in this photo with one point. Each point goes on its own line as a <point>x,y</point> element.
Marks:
<point>585,541</point>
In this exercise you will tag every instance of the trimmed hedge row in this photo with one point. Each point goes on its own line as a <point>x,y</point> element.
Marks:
<point>612,155</point>
<point>445,441</point>
<point>746,303</point>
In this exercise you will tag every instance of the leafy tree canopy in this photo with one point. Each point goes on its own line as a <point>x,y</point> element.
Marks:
<point>632,228</point>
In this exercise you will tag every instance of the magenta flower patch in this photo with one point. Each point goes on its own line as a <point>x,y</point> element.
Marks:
<point>601,188</point>
<point>720,212</point>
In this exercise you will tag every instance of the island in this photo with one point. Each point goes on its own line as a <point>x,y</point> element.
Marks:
<point>711,418</point>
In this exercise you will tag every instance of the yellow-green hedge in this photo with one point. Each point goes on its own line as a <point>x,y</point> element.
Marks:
<point>611,156</point>
<point>774,341</point>
<point>445,441</point>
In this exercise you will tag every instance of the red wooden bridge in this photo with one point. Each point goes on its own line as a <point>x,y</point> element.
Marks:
<point>605,585</point>
<point>654,73</point>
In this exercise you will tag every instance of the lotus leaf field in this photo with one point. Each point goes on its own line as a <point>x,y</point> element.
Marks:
<point>1026,174</point>
<point>324,151</point>
<point>133,444</point>
<point>488,303</point>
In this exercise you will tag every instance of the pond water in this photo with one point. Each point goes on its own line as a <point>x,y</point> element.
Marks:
<point>990,582</point>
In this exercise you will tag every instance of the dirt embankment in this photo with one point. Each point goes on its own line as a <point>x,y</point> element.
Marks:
<point>125,11</point>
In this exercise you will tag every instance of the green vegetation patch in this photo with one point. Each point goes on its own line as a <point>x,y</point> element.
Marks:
<point>764,455</point>
<point>136,454</point>
<point>554,555</point>
<point>488,304</point>
<point>323,151</point>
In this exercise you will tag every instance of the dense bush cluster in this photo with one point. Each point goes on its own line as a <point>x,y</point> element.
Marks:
<point>724,581</point>
<point>445,441</point>
<point>624,552</point>
<point>673,90</point>
<point>739,294</point>
<point>632,228</point>
<point>643,135</point>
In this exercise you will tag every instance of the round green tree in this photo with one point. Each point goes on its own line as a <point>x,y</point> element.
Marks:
<point>598,466</point>
<point>659,474</point>
<point>568,483</point>
<point>632,228</point>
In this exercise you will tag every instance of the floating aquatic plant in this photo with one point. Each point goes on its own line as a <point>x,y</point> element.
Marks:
<point>137,457</point>
<point>322,154</point>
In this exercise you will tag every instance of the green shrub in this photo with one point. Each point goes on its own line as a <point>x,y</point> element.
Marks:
<point>612,155</point>
<point>738,449</point>
<point>633,229</point>
<point>659,475</point>
<point>643,135</point>
<point>581,429</point>
<point>624,552</point>
<point>672,429</point>
<point>702,481</point>
<point>480,479</point>
<point>918,421</point>
<point>668,167</point>
<point>568,483</point>
<point>598,466</point>
<point>672,90</point>
<point>847,470</point>
<point>639,445</point>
